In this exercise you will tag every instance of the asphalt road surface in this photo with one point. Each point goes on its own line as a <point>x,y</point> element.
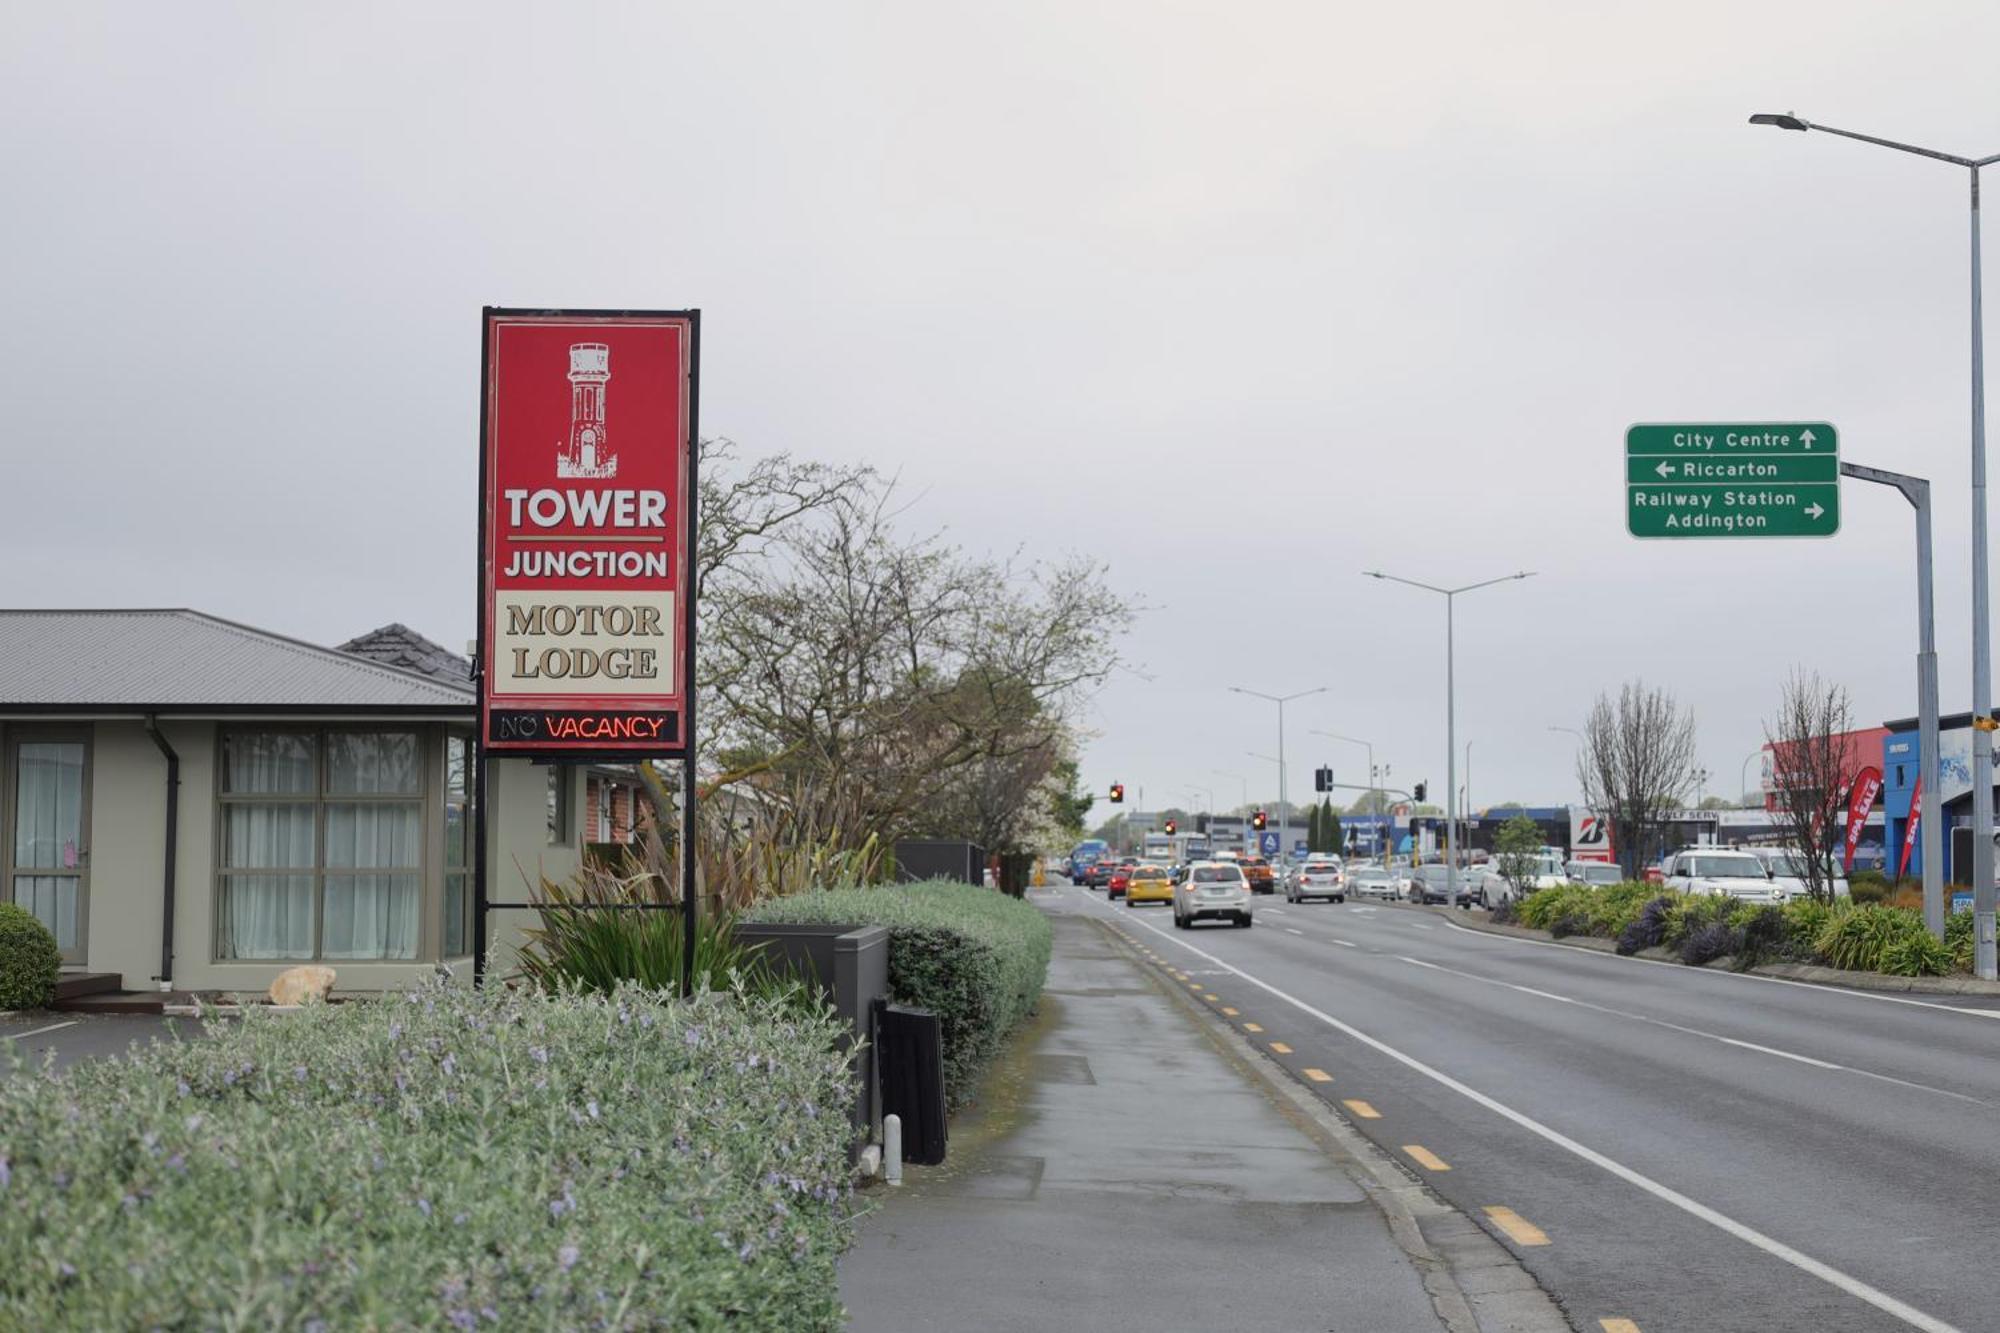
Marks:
<point>1665,1147</point>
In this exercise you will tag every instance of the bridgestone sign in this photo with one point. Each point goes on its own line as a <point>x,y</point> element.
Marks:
<point>586,633</point>
<point>1732,479</point>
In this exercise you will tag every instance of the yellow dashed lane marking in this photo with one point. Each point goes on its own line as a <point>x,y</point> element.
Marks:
<point>1518,1228</point>
<point>1227,1010</point>
<point>1281,1048</point>
<point>1252,1027</point>
<point>1363,1109</point>
<point>1194,985</point>
<point>1618,1326</point>
<point>1319,1076</point>
<point>1210,998</point>
<point>1426,1159</point>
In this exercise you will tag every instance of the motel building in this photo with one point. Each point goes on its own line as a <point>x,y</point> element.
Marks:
<point>195,805</point>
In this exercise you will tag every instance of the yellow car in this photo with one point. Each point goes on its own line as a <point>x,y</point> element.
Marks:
<point>1148,884</point>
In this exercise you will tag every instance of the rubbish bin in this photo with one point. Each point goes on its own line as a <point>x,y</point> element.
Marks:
<point>910,1062</point>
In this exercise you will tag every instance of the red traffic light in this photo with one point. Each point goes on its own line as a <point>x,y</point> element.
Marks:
<point>1259,821</point>
<point>1117,793</point>
<point>1171,826</point>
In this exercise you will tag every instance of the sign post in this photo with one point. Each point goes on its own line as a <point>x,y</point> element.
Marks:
<point>1732,479</point>
<point>588,478</point>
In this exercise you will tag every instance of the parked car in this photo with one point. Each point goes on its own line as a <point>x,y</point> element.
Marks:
<point>1594,872</point>
<point>1149,884</point>
<point>1545,872</point>
<point>1213,890</point>
<point>1370,882</point>
<point>1719,870</point>
<point>1782,864</point>
<point>1258,872</point>
<point>1319,877</point>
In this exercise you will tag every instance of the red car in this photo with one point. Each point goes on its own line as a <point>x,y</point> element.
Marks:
<point>1121,879</point>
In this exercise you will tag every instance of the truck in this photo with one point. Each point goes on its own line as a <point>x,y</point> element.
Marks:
<point>1158,848</point>
<point>1193,847</point>
<point>1088,852</point>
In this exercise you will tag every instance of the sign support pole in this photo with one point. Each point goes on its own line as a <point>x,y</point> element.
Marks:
<point>1917,491</point>
<point>691,585</point>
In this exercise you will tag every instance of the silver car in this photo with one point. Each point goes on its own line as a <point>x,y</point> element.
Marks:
<point>1369,882</point>
<point>1319,877</point>
<point>1213,890</point>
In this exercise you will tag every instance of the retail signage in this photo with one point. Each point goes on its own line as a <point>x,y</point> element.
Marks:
<point>585,532</point>
<point>1732,479</point>
<point>1910,829</point>
<point>1861,799</point>
<point>1589,835</point>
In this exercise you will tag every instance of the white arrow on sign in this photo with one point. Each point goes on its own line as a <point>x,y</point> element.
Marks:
<point>1815,511</point>
<point>1807,436</point>
<point>1665,469</point>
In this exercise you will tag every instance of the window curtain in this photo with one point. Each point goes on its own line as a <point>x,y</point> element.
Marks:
<point>48,831</point>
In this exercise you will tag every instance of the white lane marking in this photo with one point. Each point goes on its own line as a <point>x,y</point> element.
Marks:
<point>1275,911</point>
<point>1420,925</point>
<point>1421,963</point>
<point>1740,976</point>
<point>1814,1061</point>
<point>36,1032</point>
<point>1293,930</point>
<point>1347,944</point>
<point>1770,1245</point>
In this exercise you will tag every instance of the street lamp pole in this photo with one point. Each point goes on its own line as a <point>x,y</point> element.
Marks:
<point>1984,962</point>
<point>1373,777</point>
<point>1284,807</point>
<point>1450,596</point>
<point>1743,772</point>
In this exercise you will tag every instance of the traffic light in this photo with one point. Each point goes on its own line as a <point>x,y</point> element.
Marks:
<point>1171,827</point>
<point>1322,779</point>
<point>1416,791</point>
<point>1117,793</point>
<point>1260,821</point>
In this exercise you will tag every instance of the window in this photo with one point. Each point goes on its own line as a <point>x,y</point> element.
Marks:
<point>322,845</point>
<point>562,806</point>
<point>458,843</point>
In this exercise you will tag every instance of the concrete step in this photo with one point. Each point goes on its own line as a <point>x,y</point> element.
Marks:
<point>114,1002</point>
<point>70,985</point>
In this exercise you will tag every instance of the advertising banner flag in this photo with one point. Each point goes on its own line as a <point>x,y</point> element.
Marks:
<point>1910,829</point>
<point>586,628</point>
<point>1861,799</point>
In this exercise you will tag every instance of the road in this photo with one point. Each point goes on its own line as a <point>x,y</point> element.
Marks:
<point>1673,1147</point>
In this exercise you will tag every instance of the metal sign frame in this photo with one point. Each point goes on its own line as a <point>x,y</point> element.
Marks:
<point>687,587</point>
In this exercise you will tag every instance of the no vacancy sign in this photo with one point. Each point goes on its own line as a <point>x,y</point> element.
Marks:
<point>586,632</point>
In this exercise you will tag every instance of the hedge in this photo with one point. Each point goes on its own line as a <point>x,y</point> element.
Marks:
<point>29,959</point>
<point>437,1160</point>
<point>975,957</point>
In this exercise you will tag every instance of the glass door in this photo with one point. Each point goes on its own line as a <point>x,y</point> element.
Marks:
<point>48,853</point>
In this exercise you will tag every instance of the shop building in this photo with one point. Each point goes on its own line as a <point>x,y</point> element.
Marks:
<point>193,804</point>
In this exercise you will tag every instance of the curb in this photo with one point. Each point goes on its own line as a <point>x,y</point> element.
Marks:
<point>1476,1285</point>
<point>1804,973</point>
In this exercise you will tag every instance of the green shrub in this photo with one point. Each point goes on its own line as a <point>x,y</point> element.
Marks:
<point>1764,933</point>
<point>1958,939</point>
<point>1805,919</point>
<point>1542,908</point>
<point>1692,911</point>
<point>974,957</point>
<point>1916,953</point>
<point>1867,886</point>
<point>585,941</point>
<point>29,960</point>
<point>1857,938</point>
<point>1708,942</point>
<point>439,1159</point>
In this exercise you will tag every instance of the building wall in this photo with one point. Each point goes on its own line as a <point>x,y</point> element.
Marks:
<point>126,840</point>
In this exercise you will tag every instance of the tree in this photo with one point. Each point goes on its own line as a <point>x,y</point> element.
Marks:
<point>1069,803</point>
<point>1635,765</point>
<point>1717,803</point>
<point>1518,850</point>
<point>1810,775</point>
<point>1371,802</point>
<point>1336,838</point>
<point>1313,834</point>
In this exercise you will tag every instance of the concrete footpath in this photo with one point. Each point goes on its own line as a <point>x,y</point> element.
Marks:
<point>1125,1168</point>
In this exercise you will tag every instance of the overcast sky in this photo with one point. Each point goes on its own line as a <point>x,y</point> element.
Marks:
<point>1242,298</point>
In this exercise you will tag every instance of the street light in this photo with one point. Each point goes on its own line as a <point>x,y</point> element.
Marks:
<point>1374,778</point>
<point>1743,776</point>
<point>1450,596</point>
<point>1577,757</point>
<point>1284,808</point>
<point>1983,958</point>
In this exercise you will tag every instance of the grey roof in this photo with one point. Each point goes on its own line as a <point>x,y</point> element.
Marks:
<point>396,644</point>
<point>185,661</point>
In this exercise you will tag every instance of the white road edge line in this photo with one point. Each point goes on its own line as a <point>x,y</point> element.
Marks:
<point>36,1032</point>
<point>1346,944</point>
<point>1770,1245</point>
<point>1293,930</point>
<point>1740,976</point>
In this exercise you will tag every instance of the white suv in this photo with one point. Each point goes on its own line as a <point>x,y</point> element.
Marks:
<point>1719,870</point>
<point>1213,889</point>
<point>1782,865</point>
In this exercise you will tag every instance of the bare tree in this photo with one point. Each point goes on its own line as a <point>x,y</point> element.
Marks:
<point>1636,765</point>
<point>1809,771</point>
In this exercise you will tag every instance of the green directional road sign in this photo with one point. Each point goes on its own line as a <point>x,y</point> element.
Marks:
<point>1732,479</point>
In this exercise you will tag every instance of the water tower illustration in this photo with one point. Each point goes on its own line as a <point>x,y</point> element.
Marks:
<point>587,453</point>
